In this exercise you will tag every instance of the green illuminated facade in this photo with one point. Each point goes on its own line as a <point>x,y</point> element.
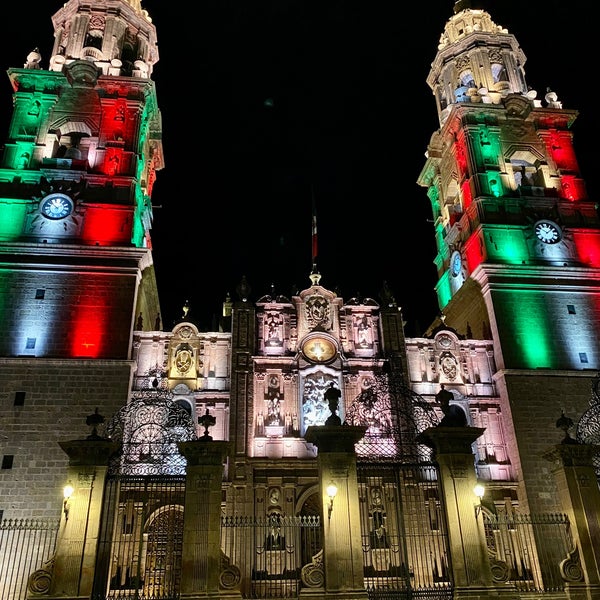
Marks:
<point>216,465</point>
<point>518,239</point>
<point>76,180</point>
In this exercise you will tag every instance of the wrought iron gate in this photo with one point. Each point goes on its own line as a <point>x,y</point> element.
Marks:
<point>404,535</point>
<point>141,527</point>
<point>273,557</point>
<point>403,527</point>
<point>141,537</point>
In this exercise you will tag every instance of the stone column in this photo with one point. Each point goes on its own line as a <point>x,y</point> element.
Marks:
<point>342,544</point>
<point>77,545</point>
<point>454,454</point>
<point>202,574</point>
<point>579,495</point>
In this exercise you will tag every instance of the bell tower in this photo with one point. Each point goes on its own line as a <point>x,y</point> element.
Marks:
<point>83,147</point>
<point>518,239</point>
<point>76,269</point>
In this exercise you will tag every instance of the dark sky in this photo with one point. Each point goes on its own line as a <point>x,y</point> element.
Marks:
<point>265,102</point>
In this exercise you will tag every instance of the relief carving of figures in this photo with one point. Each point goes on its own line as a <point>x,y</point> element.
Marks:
<point>274,410</point>
<point>449,366</point>
<point>363,336</point>
<point>315,409</point>
<point>273,399</point>
<point>273,329</point>
<point>317,311</point>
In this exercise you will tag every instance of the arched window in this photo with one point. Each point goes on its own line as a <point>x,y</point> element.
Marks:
<point>94,39</point>
<point>499,72</point>
<point>467,79</point>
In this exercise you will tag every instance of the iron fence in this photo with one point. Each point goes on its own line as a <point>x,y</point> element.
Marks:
<point>276,557</point>
<point>535,553</point>
<point>26,547</point>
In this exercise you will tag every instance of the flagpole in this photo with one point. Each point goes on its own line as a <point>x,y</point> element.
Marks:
<point>314,230</point>
<point>314,274</point>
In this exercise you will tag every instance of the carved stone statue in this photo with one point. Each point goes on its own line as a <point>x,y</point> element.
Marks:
<point>332,395</point>
<point>454,416</point>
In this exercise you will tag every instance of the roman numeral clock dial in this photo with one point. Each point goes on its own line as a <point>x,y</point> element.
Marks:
<point>56,215</point>
<point>548,232</point>
<point>56,206</point>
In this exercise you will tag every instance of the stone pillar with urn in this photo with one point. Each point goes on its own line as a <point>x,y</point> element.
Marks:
<point>342,547</point>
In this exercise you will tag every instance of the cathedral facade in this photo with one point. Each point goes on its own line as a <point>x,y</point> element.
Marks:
<point>307,446</point>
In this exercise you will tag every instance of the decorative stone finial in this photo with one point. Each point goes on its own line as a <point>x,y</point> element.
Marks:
<point>206,420</point>
<point>93,421</point>
<point>565,423</point>
<point>315,276</point>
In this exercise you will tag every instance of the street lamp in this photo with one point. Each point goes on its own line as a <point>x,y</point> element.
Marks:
<point>479,491</point>
<point>331,492</point>
<point>67,493</point>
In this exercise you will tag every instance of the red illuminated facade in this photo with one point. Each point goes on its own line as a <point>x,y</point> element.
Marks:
<point>211,433</point>
<point>517,237</point>
<point>76,180</point>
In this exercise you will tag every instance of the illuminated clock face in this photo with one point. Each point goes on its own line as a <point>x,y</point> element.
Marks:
<point>455,263</point>
<point>319,349</point>
<point>56,206</point>
<point>547,232</point>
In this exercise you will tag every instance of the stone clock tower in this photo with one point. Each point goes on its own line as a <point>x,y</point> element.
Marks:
<point>76,178</point>
<point>518,239</point>
<point>77,174</point>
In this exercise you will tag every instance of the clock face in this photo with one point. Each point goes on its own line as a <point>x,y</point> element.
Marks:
<point>319,349</point>
<point>548,232</point>
<point>455,263</point>
<point>56,206</point>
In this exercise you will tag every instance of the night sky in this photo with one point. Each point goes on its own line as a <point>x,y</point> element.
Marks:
<point>267,103</point>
